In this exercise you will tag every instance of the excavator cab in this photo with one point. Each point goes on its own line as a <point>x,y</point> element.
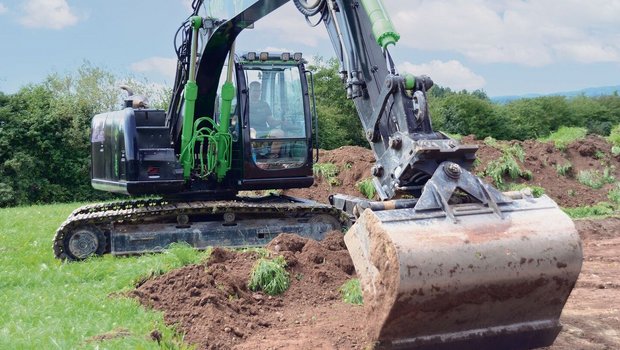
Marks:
<point>277,118</point>
<point>272,136</point>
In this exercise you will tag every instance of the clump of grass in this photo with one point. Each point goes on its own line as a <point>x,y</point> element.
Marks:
<point>325,170</point>
<point>599,154</point>
<point>507,165</point>
<point>595,179</point>
<point>183,253</point>
<point>615,150</point>
<point>367,188</point>
<point>351,292</point>
<point>489,141</point>
<point>537,191</point>
<point>328,172</point>
<point>598,210</point>
<point>270,276</point>
<point>516,151</point>
<point>614,194</point>
<point>565,135</point>
<point>564,169</point>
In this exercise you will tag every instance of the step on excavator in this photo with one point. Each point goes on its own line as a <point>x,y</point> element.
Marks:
<point>445,260</point>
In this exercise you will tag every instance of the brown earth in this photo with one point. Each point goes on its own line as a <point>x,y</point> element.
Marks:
<point>591,317</point>
<point>354,165</point>
<point>213,306</point>
<point>542,159</point>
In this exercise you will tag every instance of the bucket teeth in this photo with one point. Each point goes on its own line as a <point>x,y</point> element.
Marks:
<point>429,282</point>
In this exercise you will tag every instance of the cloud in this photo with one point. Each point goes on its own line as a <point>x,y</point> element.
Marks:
<point>287,25</point>
<point>161,65</point>
<point>53,14</point>
<point>450,74</point>
<point>3,9</point>
<point>187,4</point>
<point>528,32</point>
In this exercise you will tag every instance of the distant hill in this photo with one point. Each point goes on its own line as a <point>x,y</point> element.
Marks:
<point>590,92</point>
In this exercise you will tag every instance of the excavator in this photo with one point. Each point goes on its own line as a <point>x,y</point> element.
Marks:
<point>445,260</point>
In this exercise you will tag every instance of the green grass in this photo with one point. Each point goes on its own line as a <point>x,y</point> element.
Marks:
<point>564,169</point>
<point>595,179</point>
<point>491,142</point>
<point>507,165</point>
<point>614,137</point>
<point>599,210</point>
<point>328,172</point>
<point>351,292</point>
<point>270,276</point>
<point>614,194</point>
<point>565,135</point>
<point>367,188</point>
<point>47,304</point>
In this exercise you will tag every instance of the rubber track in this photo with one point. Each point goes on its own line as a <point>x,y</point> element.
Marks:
<point>105,215</point>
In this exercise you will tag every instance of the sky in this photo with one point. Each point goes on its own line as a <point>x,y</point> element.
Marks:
<point>504,47</point>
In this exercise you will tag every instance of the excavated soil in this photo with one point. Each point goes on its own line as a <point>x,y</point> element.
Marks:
<point>353,164</point>
<point>213,306</point>
<point>542,159</point>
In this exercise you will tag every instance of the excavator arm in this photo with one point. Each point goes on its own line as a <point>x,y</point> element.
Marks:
<point>392,108</point>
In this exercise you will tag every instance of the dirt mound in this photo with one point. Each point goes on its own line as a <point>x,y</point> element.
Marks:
<point>545,162</point>
<point>213,306</point>
<point>542,159</point>
<point>353,165</point>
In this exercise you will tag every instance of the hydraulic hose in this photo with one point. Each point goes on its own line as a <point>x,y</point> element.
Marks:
<point>309,7</point>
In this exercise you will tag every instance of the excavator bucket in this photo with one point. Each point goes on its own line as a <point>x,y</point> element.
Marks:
<point>488,275</point>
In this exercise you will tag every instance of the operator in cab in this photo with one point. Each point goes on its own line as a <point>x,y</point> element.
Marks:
<point>262,123</point>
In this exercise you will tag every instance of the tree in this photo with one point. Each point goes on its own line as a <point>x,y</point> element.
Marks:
<point>464,113</point>
<point>339,123</point>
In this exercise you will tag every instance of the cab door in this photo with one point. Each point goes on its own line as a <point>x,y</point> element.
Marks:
<point>277,126</point>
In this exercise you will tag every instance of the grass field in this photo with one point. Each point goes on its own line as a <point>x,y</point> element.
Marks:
<point>46,304</point>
